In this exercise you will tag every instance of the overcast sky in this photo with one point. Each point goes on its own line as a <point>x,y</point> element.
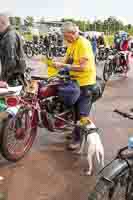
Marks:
<point>90,9</point>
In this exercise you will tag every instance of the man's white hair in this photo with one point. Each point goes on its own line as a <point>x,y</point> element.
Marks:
<point>5,13</point>
<point>69,27</point>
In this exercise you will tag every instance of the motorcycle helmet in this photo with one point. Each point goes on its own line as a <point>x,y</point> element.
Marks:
<point>124,36</point>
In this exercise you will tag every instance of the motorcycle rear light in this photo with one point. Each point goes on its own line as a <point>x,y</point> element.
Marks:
<point>12,101</point>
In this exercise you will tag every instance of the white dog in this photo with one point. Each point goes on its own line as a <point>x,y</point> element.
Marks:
<point>94,148</point>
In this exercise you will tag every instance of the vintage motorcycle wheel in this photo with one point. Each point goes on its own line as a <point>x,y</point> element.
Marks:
<point>44,51</point>
<point>102,55</point>
<point>97,59</point>
<point>29,52</point>
<point>107,71</point>
<point>114,189</point>
<point>18,134</point>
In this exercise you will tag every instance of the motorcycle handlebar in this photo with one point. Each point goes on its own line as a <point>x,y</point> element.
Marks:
<point>58,76</point>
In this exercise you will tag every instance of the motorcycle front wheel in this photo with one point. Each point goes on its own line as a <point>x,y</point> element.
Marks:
<point>96,59</point>
<point>18,134</point>
<point>107,71</point>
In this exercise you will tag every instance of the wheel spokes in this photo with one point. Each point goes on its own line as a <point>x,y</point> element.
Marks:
<point>17,144</point>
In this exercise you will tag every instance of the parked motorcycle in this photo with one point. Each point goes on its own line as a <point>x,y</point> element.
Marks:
<point>39,105</point>
<point>42,49</point>
<point>115,179</point>
<point>61,51</point>
<point>28,46</point>
<point>117,63</point>
<point>102,54</point>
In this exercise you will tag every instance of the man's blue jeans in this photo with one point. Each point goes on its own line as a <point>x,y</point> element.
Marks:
<point>82,108</point>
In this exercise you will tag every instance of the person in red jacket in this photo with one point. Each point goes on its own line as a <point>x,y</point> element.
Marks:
<point>124,45</point>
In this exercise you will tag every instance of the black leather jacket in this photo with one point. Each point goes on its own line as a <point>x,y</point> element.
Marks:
<point>11,54</point>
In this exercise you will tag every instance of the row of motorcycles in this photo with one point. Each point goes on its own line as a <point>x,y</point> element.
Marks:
<point>33,49</point>
<point>116,62</point>
<point>115,179</point>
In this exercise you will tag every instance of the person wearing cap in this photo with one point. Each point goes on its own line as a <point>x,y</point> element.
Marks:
<point>101,41</point>
<point>130,43</point>
<point>11,50</point>
<point>81,63</point>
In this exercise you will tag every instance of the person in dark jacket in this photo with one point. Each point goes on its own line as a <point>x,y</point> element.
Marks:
<point>101,40</point>
<point>46,41</point>
<point>94,44</point>
<point>11,51</point>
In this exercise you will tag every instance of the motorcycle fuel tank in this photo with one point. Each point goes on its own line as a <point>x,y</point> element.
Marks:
<point>48,90</point>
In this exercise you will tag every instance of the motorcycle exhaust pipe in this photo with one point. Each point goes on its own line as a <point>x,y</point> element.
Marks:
<point>113,169</point>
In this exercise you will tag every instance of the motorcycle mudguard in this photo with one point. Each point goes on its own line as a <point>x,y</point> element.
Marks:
<point>112,170</point>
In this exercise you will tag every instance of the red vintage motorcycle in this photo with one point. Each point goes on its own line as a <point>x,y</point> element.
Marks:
<point>39,105</point>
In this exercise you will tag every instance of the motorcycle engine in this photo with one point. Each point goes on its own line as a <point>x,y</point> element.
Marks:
<point>54,105</point>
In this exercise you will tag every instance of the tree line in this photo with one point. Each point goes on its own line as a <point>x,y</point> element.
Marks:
<point>108,26</point>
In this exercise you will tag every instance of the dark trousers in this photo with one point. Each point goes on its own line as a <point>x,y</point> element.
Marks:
<point>82,108</point>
